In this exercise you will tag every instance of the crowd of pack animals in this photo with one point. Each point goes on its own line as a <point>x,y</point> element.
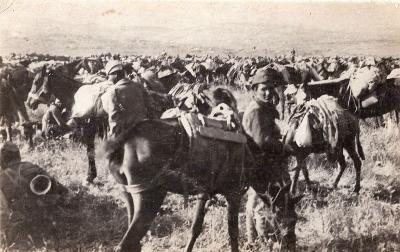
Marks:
<point>363,87</point>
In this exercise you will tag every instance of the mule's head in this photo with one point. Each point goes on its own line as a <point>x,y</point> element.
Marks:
<point>332,66</point>
<point>366,79</point>
<point>282,215</point>
<point>200,72</point>
<point>39,92</point>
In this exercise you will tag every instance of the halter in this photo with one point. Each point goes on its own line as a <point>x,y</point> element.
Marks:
<point>38,94</point>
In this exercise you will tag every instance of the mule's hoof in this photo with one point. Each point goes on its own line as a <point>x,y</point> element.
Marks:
<point>250,245</point>
<point>90,179</point>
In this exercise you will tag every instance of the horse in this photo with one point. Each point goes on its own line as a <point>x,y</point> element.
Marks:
<point>15,85</point>
<point>50,82</point>
<point>53,82</point>
<point>384,98</point>
<point>94,65</point>
<point>330,69</point>
<point>322,125</point>
<point>221,72</point>
<point>157,156</point>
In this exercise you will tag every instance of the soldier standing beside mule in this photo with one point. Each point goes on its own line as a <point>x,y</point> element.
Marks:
<point>126,103</point>
<point>264,142</point>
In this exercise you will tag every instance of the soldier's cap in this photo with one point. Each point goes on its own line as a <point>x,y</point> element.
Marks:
<point>264,76</point>
<point>113,66</point>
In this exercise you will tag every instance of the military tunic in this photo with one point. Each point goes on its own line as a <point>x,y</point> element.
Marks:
<point>259,124</point>
<point>125,104</point>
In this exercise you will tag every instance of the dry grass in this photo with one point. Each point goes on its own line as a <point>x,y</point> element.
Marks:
<point>336,220</point>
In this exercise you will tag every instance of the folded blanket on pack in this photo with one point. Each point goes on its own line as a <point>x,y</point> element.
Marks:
<point>332,119</point>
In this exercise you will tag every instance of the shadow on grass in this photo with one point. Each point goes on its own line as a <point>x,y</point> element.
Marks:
<point>368,244</point>
<point>81,223</point>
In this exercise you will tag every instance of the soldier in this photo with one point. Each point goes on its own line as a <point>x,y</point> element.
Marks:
<point>259,117</point>
<point>28,196</point>
<point>125,102</point>
<point>259,124</point>
<point>53,123</point>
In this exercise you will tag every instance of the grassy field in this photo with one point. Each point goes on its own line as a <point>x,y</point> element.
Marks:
<point>329,220</point>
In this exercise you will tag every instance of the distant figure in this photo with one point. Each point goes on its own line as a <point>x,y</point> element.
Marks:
<point>293,55</point>
<point>53,123</point>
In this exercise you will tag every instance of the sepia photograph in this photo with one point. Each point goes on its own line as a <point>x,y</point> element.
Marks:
<point>212,126</point>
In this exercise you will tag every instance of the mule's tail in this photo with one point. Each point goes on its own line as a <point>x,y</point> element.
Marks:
<point>360,150</point>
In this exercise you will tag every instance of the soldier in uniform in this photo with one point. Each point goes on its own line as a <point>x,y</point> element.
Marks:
<point>125,102</point>
<point>259,117</point>
<point>53,123</point>
<point>28,197</point>
<point>264,142</point>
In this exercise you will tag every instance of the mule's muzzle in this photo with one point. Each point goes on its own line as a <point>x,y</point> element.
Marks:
<point>34,100</point>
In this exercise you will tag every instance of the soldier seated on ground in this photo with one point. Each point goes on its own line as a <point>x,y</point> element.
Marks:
<point>53,123</point>
<point>28,197</point>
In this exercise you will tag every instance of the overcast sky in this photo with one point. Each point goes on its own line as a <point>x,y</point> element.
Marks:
<point>171,14</point>
<point>107,18</point>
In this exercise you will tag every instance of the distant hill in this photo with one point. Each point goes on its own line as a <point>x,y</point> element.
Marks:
<point>238,38</point>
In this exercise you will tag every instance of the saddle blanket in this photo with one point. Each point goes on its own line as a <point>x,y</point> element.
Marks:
<point>199,125</point>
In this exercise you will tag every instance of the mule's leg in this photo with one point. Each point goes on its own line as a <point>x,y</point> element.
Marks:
<point>295,178</point>
<point>89,133</point>
<point>301,165</point>
<point>342,164</point>
<point>147,204</point>
<point>126,196</point>
<point>306,175</point>
<point>301,161</point>
<point>9,133</point>
<point>198,219</point>
<point>233,223</point>
<point>251,231</point>
<point>357,166</point>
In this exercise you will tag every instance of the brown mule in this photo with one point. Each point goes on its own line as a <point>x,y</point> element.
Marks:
<point>156,156</point>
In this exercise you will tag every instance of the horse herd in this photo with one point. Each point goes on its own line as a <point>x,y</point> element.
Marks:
<point>156,156</point>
